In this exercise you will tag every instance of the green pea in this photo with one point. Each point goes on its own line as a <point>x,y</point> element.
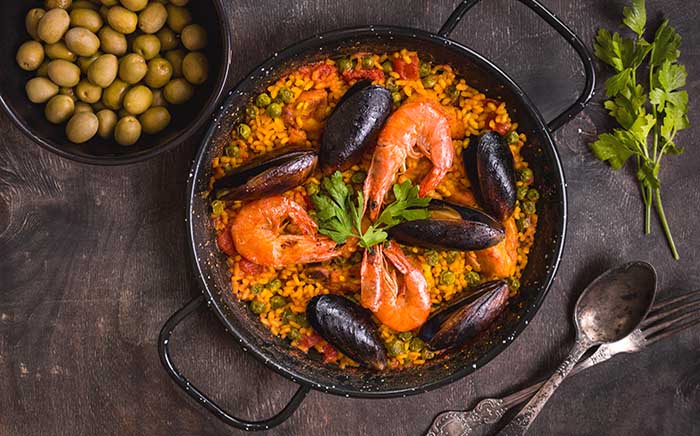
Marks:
<point>429,81</point>
<point>286,95</point>
<point>533,195</point>
<point>521,192</point>
<point>427,354</point>
<point>391,84</point>
<point>452,92</point>
<point>416,344</point>
<point>387,66</point>
<point>432,258</point>
<point>243,131</point>
<point>396,97</point>
<point>529,207</point>
<point>344,64</point>
<point>257,307</point>
<point>452,256</point>
<point>251,112</point>
<point>513,137</point>
<point>275,284</point>
<point>217,207</point>
<point>447,278</point>
<point>232,150</point>
<point>263,100</point>
<point>513,283</point>
<point>277,302</point>
<point>300,319</point>
<point>522,223</point>
<point>358,177</point>
<point>473,277</point>
<point>312,189</point>
<point>256,288</point>
<point>395,348</point>
<point>293,335</point>
<point>526,175</point>
<point>367,62</point>
<point>274,110</point>
<point>405,336</point>
<point>424,69</point>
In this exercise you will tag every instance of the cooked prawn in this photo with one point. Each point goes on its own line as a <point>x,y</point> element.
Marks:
<point>262,234</point>
<point>402,303</point>
<point>420,124</point>
<point>501,260</point>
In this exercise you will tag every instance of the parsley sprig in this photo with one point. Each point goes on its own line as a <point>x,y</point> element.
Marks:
<point>661,112</point>
<point>339,211</point>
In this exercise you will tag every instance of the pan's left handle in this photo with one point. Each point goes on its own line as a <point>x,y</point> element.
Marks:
<point>199,396</point>
<point>568,34</point>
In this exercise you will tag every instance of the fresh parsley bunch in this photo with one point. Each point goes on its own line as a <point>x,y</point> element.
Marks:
<point>661,112</point>
<point>339,215</point>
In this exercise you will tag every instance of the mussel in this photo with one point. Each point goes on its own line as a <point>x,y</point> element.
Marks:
<point>348,327</point>
<point>489,164</point>
<point>273,173</point>
<point>354,124</point>
<point>453,326</point>
<point>450,227</point>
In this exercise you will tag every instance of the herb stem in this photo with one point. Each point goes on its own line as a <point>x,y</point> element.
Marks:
<point>664,224</point>
<point>647,209</point>
<point>653,111</point>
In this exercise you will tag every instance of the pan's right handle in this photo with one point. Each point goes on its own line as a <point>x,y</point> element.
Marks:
<point>564,31</point>
<point>182,381</point>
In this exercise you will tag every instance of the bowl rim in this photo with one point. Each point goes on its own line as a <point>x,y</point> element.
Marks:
<point>209,107</point>
<point>208,288</point>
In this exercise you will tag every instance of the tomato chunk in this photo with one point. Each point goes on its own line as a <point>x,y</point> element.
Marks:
<point>373,75</point>
<point>405,70</point>
<point>225,242</point>
<point>249,267</point>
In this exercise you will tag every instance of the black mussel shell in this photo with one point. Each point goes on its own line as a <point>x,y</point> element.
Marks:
<point>273,173</point>
<point>348,327</point>
<point>354,124</point>
<point>489,165</point>
<point>450,226</point>
<point>453,326</point>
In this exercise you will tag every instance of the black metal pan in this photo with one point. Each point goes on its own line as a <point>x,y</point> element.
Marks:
<point>213,275</point>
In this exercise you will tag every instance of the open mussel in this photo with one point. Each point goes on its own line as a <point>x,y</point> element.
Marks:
<point>450,226</point>
<point>348,327</point>
<point>489,164</point>
<point>270,174</point>
<point>453,326</point>
<point>354,124</point>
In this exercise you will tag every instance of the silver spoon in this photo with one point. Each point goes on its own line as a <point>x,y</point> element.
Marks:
<point>609,309</point>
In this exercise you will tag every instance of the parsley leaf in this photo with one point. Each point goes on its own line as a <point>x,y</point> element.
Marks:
<point>635,17</point>
<point>666,44</point>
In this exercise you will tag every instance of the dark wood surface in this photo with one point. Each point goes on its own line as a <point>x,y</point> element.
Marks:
<point>93,261</point>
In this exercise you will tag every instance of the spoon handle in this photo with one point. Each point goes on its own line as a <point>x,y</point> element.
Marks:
<point>522,421</point>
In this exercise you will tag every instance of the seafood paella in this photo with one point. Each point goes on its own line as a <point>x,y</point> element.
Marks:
<point>375,210</point>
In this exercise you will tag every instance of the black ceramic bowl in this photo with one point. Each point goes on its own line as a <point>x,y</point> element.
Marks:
<point>186,119</point>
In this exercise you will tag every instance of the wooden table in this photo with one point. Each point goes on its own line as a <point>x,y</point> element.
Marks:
<point>93,260</point>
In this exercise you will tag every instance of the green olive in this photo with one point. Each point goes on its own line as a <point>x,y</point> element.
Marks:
<point>64,73</point>
<point>122,20</point>
<point>81,106</point>
<point>103,70</point>
<point>154,120</point>
<point>158,99</point>
<point>82,42</point>
<point>53,25</point>
<point>178,91</point>
<point>153,18</point>
<point>195,68</point>
<point>85,4</point>
<point>175,58</point>
<point>82,127</point>
<point>127,131</point>
<point>40,89</point>
<point>59,50</point>
<point>30,55</point>
<point>53,4</point>
<point>147,46</point>
<point>88,92</point>
<point>178,17</point>
<point>168,39</point>
<point>134,5</point>
<point>159,73</point>
<point>132,68</point>
<point>112,42</point>
<point>43,70</point>
<point>194,37</point>
<point>84,63</point>
<point>138,99</point>
<point>59,109</point>
<point>31,21</point>
<point>86,18</point>
<point>113,95</point>
<point>107,120</point>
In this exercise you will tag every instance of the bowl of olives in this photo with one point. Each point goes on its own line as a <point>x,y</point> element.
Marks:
<point>113,81</point>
